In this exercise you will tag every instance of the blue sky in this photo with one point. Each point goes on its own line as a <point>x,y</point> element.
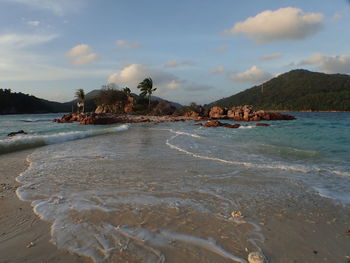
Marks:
<point>195,50</point>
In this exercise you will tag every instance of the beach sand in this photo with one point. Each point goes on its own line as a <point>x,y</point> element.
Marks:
<point>19,226</point>
<point>306,229</point>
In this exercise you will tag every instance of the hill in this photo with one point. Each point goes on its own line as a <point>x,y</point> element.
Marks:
<point>297,90</point>
<point>19,103</point>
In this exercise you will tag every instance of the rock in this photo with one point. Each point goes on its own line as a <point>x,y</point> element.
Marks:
<point>11,134</point>
<point>191,114</point>
<point>236,214</point>
<point>232,126</point>
<point>129,107</point>
<point>213,124</point>
<point>217,112</point>
<point>99,119</point>
<point>216,123</point>
<point>262,124</point>
<point>256,257</point>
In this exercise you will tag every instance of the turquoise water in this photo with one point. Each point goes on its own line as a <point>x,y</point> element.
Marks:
<point>166,191</point>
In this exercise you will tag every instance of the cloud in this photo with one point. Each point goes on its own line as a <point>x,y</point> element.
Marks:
<point>220,49</point>
<point>58,7</point>
<point>33,22</point>
<point>19,41</point>
<point>271,56</point>
<point>81,55</point>
<point>133,74</point>
<point>328,64</point>
<point>176,64</point>
<point>125,44</point>
<point>253,75</point>
<point>217,70</point>
<point>15,58</point>
<point>79,50</point>
<point>287,23</point>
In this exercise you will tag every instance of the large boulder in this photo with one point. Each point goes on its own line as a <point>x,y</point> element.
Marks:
<point>216,123</point>
<point>212,124</point>
<point>217,112</point>
<point>129,107</point>
<point>99,119</point>
<point>191,114</point>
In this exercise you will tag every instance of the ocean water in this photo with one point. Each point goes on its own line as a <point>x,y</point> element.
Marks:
<point>165,193</point>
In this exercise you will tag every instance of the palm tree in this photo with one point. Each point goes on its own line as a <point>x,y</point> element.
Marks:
<point>146,87</point>
<point>80,95</point>
<point>127,91</point>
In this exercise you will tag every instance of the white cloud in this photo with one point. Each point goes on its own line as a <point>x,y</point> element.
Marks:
<point>33,22</point>
<point>58,7</point>
<point>176,64</point>
<point>287,23</point>
<point>81,55</point>
<point>329,64</point>
<point>271,56</point>
<point>15,58</point>
<point>79,50</point>
<point>133,74</point>
<point>18,41</point>
<point>84,60</point>
<point>220,49</point>
<point>253,75</point>
<point>126,44</point>
<point>217,70</point>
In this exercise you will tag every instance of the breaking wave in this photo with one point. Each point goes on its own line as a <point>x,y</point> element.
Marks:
<point>22,142</point>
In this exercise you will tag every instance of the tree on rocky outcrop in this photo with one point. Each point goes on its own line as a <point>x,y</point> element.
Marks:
<point>127,91</point>
<point>111,99</point>
<point>146,88</point>
<point>80,95</point>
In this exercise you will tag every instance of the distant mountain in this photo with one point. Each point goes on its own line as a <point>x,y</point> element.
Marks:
<point>174,104</point>
<point>19,103</point>
<point>297,90</point>
<point>92,95</point>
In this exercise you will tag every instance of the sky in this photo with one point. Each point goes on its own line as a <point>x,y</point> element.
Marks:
<point>194,50</point>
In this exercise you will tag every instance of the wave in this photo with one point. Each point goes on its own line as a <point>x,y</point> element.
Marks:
<point>180,133</point>
<point>22,142</point>
<point>36,120</point>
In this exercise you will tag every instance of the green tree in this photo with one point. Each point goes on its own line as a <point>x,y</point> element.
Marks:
<point>80,95</point>
<point>146,87</point>
<point>127,91</point>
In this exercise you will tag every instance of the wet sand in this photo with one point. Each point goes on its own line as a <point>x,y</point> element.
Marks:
<point>23,236</point>
<point>299,228</point>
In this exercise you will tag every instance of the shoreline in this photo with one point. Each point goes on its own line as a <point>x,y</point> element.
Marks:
<point>304,227</point>
<point>24,237</point>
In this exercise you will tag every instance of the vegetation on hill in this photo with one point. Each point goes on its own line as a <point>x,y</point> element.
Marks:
<point>297,90</point>
<point>19,103</point>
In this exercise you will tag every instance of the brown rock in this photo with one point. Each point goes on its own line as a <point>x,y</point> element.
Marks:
<point>262,124</point>
<point>213,124</point>
<point>232,126</point>
<point>98,119</point>
<point>217,112</point>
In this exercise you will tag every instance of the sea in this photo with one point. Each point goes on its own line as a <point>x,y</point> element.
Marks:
<point>174,192</point>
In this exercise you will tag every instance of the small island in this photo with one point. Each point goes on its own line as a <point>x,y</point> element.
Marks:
<point>120,106</point>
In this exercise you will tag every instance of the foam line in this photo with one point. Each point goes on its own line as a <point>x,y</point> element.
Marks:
<point>21,142</point>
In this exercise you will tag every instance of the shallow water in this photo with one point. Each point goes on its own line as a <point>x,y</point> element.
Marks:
<point>165,193</point>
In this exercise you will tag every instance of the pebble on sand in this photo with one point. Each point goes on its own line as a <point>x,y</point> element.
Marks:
<point>256,257</point>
